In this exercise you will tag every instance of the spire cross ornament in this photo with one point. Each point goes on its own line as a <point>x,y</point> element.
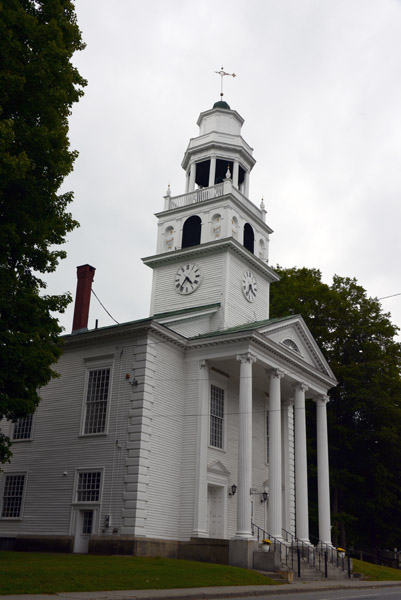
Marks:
<point>222,74</point>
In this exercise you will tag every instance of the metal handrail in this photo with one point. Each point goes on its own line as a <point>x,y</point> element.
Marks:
<point>317,556</point>
<point>285,555</point>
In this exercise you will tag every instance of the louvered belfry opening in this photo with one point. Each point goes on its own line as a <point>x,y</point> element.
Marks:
<point>191,233</point>
<point>249,237</point>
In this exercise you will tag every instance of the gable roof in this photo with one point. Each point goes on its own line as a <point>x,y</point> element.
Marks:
<point>289,336</point>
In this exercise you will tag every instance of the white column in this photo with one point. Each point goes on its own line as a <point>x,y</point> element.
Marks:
<point>301,466</point>
<point>192,174</point>
<point>285,457</point>
<point>200,508</point>
<point>275,502</point>
<point>212,172</point>
<point>323,483</point>
<point>246,185</point>
<point>236,174</point>
<point>245,447</point>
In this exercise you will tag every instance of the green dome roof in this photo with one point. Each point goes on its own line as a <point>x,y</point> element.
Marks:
<point>221,104</point>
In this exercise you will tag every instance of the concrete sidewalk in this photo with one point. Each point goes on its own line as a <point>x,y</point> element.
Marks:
<point>211,592</point>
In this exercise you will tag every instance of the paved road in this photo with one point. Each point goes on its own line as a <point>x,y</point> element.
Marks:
<point>352,594</point>
<point>312,590</point>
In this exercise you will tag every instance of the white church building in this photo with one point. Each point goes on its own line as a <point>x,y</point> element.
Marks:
<point>179,433</point>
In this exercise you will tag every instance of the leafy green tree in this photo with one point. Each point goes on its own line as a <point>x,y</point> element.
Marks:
<point>38,85</point>
<point>364,414</point>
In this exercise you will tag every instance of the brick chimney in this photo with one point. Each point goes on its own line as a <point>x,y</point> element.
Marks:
<point>85,275</point>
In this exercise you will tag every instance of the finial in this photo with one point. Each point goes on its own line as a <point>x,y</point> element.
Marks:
<point>228,172</point>
<point>168,193</point>
<point>262,205</point>
<point>222,74</point>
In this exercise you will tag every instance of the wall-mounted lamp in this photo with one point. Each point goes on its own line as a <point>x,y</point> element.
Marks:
<point>131,379</point>
<point>233,490</point>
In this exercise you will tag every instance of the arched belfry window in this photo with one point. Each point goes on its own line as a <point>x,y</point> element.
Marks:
<point>249,237</point>
<point>191,233</point>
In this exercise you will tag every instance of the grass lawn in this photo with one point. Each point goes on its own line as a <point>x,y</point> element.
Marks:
<point>376,572</point>
<point>38,573</point>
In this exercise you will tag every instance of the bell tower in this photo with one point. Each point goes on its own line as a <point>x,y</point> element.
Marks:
<point>211,263</point>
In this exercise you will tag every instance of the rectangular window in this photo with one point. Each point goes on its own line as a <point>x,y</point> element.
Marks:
<point>216,416</point>
<point>96,401</point>
<point>88,489</point>
<point>87,522</point>
<point>23,428</point>
<point>12,496</point>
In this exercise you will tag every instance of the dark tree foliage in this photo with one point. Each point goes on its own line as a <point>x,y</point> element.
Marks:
<point>38,86</point>
<point>364,414</point>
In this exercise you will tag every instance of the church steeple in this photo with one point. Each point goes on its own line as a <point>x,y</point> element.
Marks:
<point>213,242</point>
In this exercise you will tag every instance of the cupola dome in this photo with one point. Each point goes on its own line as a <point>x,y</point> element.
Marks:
<point>221,104</point>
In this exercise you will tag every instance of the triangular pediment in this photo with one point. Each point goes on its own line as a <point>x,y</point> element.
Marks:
<point>218,468</point>
<point>294,339</point>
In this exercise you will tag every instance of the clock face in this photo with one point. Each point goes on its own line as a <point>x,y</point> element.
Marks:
<point>187,278</point>
<point>249,286</point>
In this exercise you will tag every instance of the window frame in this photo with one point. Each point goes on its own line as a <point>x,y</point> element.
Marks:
<point>4,476</point>
<point>222,385</point>
<point>89,503</point>
<point>91,367</point>
<point>24,439</point>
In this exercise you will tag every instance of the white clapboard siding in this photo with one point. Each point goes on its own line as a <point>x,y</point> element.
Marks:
<point>164,462</point>
<point>208,292</point>
<point>58,449</point>
<point>189,441</point>
<point>193,326</point>
<point>238,309</point>
<point>260,469</point>
<point>139,427</point>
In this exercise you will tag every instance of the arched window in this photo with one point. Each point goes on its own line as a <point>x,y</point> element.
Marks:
<point>249,237</point>
<point>291,344</point>
<point>191,233</point>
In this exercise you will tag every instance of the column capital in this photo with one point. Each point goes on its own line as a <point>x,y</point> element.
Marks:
<point>247,357</point>
<point>204,364</point>
<point>322,400</point>
<point>287,402</point>
<point>276,373</point>
<point>300,386</point>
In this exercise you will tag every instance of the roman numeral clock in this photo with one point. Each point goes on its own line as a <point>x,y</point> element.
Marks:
<point>187,279</point>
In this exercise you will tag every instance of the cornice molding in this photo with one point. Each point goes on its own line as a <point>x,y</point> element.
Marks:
<point>242,206</point>
<point>226,244</point>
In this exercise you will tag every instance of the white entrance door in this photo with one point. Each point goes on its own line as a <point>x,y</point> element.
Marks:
<point>215,502</point>
<point>83,530</point>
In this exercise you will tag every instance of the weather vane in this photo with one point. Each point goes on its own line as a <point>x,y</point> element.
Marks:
<point>222,73</point>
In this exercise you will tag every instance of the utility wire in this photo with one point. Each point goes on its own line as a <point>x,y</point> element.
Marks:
<point>102,305</point>
<point>392,296</point>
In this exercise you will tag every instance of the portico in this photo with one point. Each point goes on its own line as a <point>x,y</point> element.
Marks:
<point>282,379</point>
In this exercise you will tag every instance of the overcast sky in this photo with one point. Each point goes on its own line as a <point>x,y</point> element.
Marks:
<point>319,86</point>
